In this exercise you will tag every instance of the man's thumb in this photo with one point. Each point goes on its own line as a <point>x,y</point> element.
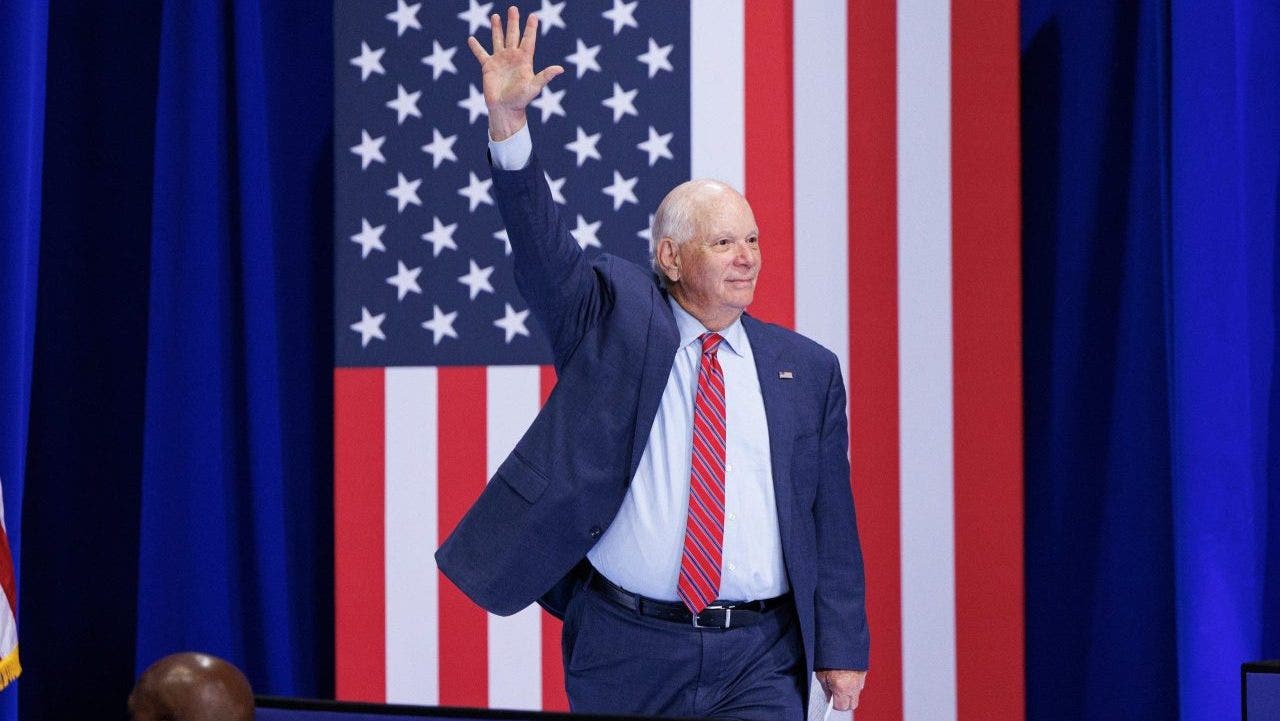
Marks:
<point>548,73</point>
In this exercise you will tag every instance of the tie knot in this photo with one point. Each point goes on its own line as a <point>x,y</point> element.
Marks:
<point>711,343</point>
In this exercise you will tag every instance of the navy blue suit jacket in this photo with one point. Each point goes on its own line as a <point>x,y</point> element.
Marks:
<point>614,340</point>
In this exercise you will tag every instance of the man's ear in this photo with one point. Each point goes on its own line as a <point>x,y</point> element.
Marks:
<point>669,259</point>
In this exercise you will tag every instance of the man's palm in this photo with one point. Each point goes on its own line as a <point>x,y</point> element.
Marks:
<point>509,80</point>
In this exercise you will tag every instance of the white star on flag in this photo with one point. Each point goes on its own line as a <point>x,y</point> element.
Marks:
<point>405,17</point>
<point>656,146</point>
<point>369,238</point>
<point>584,58</point>
<point>585,233</point>
<point>555,186</point>
<point>584,147</point>
<point>440,148</point>
<point>549,16</point>
<point>548,101</point>
<point>405,104</point>
<point>405,280</point>
<point>506,241</point>
<point>647,231</point>
<point>477,191</point>
<point>369,326</point>
<point>622,190</point>
<point>477,279</point>
<point>656,58</point>
<point>441,60</point>
<point>476,15</point>
<point>512,322</point>
<point>369,149</point>
<point>369,61</point>
<point>622,102</point>
<point>474,104</point>
<point>440,325</point>
<point>405,192</point>
<point>440,236</point>
<point>622,14</point>
<point>647,234</point>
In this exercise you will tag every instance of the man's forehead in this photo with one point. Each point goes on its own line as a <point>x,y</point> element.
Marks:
<point>726,214</point>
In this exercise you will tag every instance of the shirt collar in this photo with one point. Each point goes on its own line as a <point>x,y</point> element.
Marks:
<point>735,338</point>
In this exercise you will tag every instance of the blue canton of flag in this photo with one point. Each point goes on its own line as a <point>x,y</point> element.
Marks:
<point>423,269</point>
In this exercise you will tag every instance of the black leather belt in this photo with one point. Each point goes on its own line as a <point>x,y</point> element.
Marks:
<point>720,614</point>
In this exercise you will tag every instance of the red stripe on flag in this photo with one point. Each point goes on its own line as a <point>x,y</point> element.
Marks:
<point>986,307</point>
<point>873,336</point>
<point>553,695</point>
<point>8,584</point>
<point>770,155</point>
<point>547,378</point>
<point>359,405</point>
<point>464,626</point>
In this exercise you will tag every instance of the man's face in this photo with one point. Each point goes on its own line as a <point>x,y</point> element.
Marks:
<point>720,264</point>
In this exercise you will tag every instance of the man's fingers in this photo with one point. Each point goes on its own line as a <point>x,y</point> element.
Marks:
<point>845,703</point>
<point>477,49</point>
<point>530,38</point>
<point>513,27</point>
<point>495,25</point>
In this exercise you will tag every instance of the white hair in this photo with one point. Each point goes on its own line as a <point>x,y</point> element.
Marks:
<point>678,214</point>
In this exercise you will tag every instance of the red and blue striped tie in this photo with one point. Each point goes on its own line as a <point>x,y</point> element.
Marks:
<point>704,530</point>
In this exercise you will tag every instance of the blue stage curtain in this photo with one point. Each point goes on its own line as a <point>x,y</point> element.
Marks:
<point>1152,421</point>
<point>178,468</point>
<point>1223,296</point>
<point>235,546</point>
<point>80,514</point>
<point>23,29</point>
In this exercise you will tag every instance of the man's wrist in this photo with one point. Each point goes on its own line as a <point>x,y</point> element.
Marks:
<point>512,153</point>
<point>505,123</point>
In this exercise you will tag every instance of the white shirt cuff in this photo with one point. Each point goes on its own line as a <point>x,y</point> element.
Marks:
<point>514,152</point>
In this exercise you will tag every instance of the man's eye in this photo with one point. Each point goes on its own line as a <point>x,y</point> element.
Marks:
<point>753,240</point>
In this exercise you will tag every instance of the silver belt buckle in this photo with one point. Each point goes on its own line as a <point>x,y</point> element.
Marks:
<point>728,615</point>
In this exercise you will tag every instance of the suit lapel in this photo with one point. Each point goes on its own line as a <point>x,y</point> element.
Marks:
<point>661,354</point>
<point>778,414</point>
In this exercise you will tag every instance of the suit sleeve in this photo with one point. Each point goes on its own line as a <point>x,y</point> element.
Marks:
<point>841,638</point>
<point>551,271</point>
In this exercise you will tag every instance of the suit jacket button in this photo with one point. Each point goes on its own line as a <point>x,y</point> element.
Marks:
<point>596,531</point>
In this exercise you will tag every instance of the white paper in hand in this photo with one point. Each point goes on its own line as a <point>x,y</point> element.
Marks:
<point>820,707</point>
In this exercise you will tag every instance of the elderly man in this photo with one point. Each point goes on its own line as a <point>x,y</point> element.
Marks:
<point>191,687</point>
<point>682,501</point>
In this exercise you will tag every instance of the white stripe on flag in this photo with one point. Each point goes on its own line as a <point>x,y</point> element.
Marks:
<point>925,373</point>
<point>515,642</point>
<point>821,175</point>
<point>411,529</point>
<point>717,126</point>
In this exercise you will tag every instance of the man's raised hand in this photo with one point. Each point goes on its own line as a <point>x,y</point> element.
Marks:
<point>509,81</point>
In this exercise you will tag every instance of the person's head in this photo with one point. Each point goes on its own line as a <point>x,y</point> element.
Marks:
<point>191,687</point>
<point>705,247</point>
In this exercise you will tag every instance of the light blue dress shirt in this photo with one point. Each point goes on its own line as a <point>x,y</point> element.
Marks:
<point>642,548</point>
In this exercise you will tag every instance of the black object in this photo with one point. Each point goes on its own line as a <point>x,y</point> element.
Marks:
<point>277,708</point>
<point>1260,691</point>
<point>719,615</point>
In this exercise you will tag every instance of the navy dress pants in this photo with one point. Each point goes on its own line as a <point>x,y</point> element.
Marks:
<point>619,662</point>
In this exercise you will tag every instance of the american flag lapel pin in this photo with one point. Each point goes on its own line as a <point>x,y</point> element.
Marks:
<point>786,375</point>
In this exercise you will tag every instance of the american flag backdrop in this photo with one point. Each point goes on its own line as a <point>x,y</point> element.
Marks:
<point>878,145</point>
